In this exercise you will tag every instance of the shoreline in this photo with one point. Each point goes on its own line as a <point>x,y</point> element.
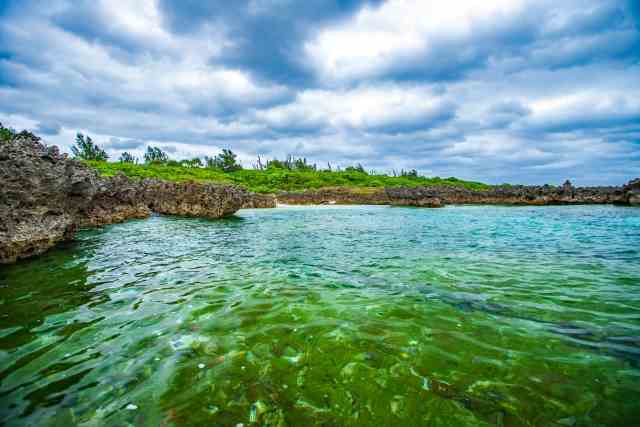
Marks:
<point>452,205</point>
<point>47,197</point>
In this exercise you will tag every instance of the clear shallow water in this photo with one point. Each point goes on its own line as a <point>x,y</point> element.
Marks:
<point>333,316</point>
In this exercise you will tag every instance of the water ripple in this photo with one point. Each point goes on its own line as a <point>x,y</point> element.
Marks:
<point>340,315</point>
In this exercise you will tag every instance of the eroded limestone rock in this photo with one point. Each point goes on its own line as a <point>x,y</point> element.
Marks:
<point>45,197</point>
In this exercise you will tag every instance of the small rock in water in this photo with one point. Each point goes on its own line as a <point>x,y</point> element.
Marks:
<point>131,407</point>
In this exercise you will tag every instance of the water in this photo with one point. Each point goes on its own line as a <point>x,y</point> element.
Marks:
<point>332,316</point>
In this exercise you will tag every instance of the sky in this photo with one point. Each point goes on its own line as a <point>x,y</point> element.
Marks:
<point>516,91</point>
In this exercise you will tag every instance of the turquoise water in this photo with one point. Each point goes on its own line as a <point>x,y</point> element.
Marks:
<point>332,316</point>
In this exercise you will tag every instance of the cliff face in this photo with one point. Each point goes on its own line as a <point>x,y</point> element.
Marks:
<point>45,197</point>
<point>202,200</point>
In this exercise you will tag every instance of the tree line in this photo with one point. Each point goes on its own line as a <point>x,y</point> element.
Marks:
<point>85,148</point>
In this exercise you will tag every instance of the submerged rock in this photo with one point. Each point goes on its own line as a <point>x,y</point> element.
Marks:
<point>45,197</point>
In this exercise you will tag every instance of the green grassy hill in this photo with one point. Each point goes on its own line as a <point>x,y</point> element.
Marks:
<point>275,179</point>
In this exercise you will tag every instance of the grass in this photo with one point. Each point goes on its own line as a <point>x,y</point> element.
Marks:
<point>274,180</point>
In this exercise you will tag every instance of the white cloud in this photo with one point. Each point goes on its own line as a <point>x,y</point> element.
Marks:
<point>381,38</point>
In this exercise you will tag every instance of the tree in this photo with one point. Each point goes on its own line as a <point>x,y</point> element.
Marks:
<point>155,155</point>
<point>127,158</point>
<point>225,161</point>
<point>85,149</point>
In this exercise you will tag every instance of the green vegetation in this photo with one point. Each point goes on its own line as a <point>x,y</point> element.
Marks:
<point>6,133</point>
<point>291,174</point>
<point>275,176</point>
<point>85,149</point>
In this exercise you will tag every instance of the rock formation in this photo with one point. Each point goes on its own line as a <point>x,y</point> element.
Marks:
<point>436,196</point>
<point>528,195</point>
<point>338,195</point>
<point>426,197</point>
<point>45,197</point>
<point>632,192</point>
<point>203,200</point>
<point>259,201</point>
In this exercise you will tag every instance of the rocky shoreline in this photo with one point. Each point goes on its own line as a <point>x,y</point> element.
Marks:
<point>45,197</point>
<point>437,196</point>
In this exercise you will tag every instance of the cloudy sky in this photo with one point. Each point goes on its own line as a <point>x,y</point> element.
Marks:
<point>521,91</point>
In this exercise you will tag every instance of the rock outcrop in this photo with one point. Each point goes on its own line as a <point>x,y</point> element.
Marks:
<point>424,197</point>
<point>45,197</point>
<point>632,192</point>
<point>527,195</point>
<point>338,195</point>
<point>204,200</point>
<point>260,201</point>
<point>436,196</point>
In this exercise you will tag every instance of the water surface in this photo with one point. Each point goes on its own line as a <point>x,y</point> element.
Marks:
<point>332,316</point>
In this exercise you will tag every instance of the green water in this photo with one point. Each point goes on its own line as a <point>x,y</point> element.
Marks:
<point>331,316</point>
